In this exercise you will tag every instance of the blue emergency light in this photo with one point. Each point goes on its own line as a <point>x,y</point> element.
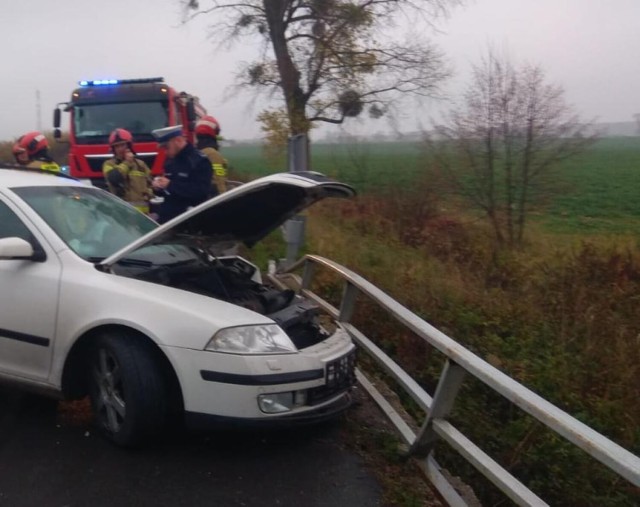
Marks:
<point>103,82</point>
<point>98,82</point>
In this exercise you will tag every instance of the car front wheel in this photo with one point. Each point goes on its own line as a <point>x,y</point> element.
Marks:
<point>127,390</point>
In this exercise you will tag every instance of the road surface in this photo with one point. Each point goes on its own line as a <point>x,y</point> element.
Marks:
<point>49,458</point>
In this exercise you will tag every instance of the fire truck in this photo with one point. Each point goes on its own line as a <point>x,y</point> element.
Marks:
<point>137,105</point>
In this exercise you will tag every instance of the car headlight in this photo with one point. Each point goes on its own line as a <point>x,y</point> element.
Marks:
<point>263,339</point>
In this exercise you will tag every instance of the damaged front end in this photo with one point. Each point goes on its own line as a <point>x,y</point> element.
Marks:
<point>231,279</point>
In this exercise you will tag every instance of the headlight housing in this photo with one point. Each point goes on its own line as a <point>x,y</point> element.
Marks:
<point>260,339</point>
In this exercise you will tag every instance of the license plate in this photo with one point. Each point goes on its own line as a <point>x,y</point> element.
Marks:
<point>341,372</point>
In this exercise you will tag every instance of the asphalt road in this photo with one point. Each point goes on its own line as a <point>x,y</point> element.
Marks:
<point>48,459</point>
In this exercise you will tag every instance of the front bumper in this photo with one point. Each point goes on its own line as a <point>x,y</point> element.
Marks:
<point>198,421</point>
<point>222,388</point>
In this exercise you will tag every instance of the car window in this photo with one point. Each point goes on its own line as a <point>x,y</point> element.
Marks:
<point>11,226</point>
<point>94,223</point>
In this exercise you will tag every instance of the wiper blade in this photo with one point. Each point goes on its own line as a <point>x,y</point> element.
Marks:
<point>184,262</point>
<point>127,261</point>
<point>135,262</point>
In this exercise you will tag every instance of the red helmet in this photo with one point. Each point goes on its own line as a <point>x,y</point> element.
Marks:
<point>32,143</point>
<point>17,149</point>
<point>208,126</point>
<point>120,136</point>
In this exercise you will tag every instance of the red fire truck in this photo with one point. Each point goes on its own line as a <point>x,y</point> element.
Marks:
<point>137,105</point>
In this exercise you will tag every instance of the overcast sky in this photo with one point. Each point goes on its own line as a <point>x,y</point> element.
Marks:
<point>587,46</point>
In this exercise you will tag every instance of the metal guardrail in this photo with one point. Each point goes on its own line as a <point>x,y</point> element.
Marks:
<point>459,363</point>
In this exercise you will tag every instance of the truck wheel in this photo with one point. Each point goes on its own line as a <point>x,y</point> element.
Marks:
<point>127,390</point>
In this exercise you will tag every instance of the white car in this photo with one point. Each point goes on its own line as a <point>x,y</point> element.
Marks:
<point>156,321</point>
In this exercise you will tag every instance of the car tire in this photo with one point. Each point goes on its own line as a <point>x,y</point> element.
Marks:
<point>127,390</point>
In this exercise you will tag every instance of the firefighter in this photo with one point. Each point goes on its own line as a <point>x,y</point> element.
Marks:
<point>127,177</point>
<point>32,150</point>
<point>20,154</point>
<point>188,174</point>
<point>207,131</point>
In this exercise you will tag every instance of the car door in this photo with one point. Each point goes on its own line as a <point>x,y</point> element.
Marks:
<point>28,302</point>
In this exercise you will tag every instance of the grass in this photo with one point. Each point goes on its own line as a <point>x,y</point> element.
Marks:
<point>596,191</point>
<point>367,166</point>
<point>560,317</point>
<point>600,190</point>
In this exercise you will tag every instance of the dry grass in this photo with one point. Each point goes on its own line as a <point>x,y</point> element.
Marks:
<point>560,315</point>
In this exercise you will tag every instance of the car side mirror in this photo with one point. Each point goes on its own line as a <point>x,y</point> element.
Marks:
<point>191,111</point>
<point>18,248</point>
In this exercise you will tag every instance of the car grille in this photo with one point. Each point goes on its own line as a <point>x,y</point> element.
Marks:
<point>340,375</point>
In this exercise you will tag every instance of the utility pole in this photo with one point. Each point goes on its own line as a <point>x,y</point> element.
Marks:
<point>38,111</point>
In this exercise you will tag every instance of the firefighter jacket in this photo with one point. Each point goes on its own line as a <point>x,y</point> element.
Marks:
<point>190,173</point>
<point>46,164</point>
<point>130,181</point>
<point>208,146</point>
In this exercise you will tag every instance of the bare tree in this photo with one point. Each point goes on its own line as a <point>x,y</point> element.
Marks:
<point>331,58</point>
<point>498,146</point>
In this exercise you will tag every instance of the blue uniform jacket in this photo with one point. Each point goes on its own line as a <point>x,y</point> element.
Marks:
<point>190,175</point>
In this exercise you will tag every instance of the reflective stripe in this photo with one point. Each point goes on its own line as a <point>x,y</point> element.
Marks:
<point>141,207</point>
<point>219,170</point>
<point>50,166</point>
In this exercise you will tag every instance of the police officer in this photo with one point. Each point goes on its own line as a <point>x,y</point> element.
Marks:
<point>187,174</point>
<point>127,177</point>
<point>207,131</point>
<point>32,150</point>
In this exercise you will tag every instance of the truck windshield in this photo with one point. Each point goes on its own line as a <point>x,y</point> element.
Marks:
<point>92,123</point>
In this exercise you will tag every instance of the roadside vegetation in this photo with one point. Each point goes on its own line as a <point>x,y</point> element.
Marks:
<point>559,313</point>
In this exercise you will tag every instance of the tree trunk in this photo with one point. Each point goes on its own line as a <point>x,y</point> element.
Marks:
<point>492,206</point>
<point>509,186</point>
<point>526,172</point>
<point>276,11</point>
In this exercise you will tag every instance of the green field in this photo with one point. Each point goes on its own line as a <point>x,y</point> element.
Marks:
<point>368,166</point>
<point>600,191</point>
<point>596,191</point>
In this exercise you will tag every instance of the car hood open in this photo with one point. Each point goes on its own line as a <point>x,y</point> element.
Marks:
<point>247,213</point>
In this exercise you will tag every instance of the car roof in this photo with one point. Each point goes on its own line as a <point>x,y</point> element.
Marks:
<point>12,177</point>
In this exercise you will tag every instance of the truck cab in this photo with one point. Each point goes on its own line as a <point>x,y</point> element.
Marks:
<point>98,107</point>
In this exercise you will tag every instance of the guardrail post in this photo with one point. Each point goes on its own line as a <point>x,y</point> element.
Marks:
<point>307,274</point>
<point>294,228</point>
<point>348,303</point>
<point>448,386</point>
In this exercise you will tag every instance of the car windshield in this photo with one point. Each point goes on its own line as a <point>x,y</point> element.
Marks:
<point>94,223</point>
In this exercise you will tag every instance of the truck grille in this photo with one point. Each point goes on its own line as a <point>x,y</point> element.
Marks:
<point>340,375</point>
<point>95,164</point>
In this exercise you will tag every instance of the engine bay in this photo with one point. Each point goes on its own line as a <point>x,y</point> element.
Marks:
<point>237,281</point>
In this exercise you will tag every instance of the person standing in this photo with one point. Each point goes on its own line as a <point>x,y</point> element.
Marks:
<point>187,174</point>
<point>20,154</point>
<point>32,150</point>
<point>127,177</point>
<point>207,131</point>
